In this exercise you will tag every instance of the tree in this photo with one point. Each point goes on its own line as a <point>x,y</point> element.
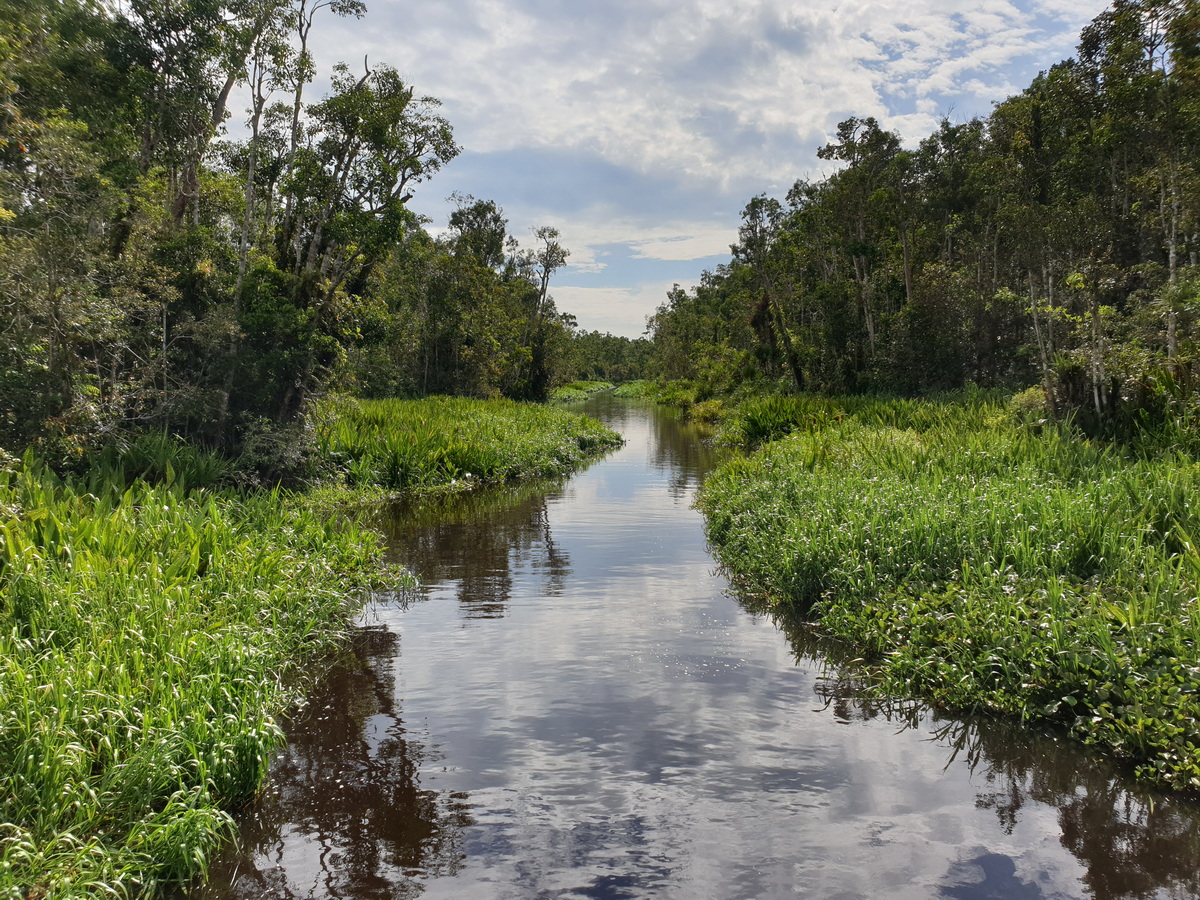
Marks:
<point>479,229</point>
<point>760,248</point>
<point>538,267</point>
<point>370,142</point>
<point>864,191</point>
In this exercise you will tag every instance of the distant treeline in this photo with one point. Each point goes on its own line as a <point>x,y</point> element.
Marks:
<point>157,274</point>
<point>1055,241</point>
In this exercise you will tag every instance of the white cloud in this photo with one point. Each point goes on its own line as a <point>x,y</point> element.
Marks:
<point>672,241</point>
<point>592,238</point>
<point>663,116</point>
<point>719,91</point>
<point>621,311</point>
<point>686,246</point>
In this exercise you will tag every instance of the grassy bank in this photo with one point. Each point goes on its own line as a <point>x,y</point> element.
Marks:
<point>981,564</point>
<point>150,639</point>
<point>441,442</point>
<point>155,627</point>
<point>580,390</point>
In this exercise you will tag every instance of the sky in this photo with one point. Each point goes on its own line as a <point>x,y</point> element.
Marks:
<point>641,128</point>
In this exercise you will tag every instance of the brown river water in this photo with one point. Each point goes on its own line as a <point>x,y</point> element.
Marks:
<point>573,706</point>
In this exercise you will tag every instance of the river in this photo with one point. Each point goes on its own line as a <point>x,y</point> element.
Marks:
<point>573,706</point>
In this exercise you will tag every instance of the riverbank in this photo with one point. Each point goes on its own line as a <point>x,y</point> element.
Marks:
<point>448,443</point>
<point>152,636</point>
<point>982,563</point>
<point>579,390</point>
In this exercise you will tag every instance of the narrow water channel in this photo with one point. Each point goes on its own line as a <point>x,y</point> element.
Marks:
<point>572,706</point>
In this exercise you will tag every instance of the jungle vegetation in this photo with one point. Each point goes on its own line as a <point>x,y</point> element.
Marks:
<point>976,417</point>
<point>183,310</point>
<point>167,265</point>
<point>1054,242</point>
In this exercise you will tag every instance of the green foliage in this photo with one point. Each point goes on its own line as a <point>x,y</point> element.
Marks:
<point>446,442</point>
<point>580,390</point>
<point>1030,405</point>
<point>637,389</point>
<point>680,393</point>
<point>1053,241</point>
<point>159,459</point>
<point>985,566</point>
<point>459,318</point>
<point>763,419</point>
<point>608,357</point>
<point>150,640</point>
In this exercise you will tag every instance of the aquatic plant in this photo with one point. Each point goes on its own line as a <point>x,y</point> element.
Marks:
<point>985,565</point>
<point>150,641</point>
<point>635,390</point>
<point>439,442</point>
<point>159,457</point>
<point>580,390</point>
<point>762,419</point>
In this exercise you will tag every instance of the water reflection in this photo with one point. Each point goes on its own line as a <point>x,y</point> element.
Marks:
<point>471,545</point>
<point>999,880</point>
<point>683,450</point>
<point>346,815</point>
<point>613,725</point>
<point>1132,842</point>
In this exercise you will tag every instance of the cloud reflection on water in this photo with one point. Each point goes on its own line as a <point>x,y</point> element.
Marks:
<point>621,727</point>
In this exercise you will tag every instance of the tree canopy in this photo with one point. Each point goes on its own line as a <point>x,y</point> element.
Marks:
<point>1054,241</point>
<point>165,265</point>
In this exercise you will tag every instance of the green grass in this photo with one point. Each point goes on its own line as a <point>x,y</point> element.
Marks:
<point>760,420</point>
<point>161,458</point>
<point>681,394</point>
<point>155,627</point>
<point>446,442</point>
<point>580,390</point>
<point>634,390</point>
<point>150,641</point>
<point>984,565</point>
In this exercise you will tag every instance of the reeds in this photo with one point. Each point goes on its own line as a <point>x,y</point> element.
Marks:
<point>984,565</point>
<point>441,441</point>
<point>636,390</point>
<point>150,639</point>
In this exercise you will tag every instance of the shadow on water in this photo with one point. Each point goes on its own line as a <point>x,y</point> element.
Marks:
<point>613,727</point>
<point>474,541</point>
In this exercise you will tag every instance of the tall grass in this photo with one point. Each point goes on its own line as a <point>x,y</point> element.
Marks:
<point>439,441</point>
<point>154,627</point>
<point>638,389</point>
<point>984,565</point>
<point>156,458</point>
<point>580,390</point>
<point>150,639</point>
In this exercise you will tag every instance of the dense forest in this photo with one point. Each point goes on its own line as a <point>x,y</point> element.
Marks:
<point>1055,241</point>
<point>168,265</point>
